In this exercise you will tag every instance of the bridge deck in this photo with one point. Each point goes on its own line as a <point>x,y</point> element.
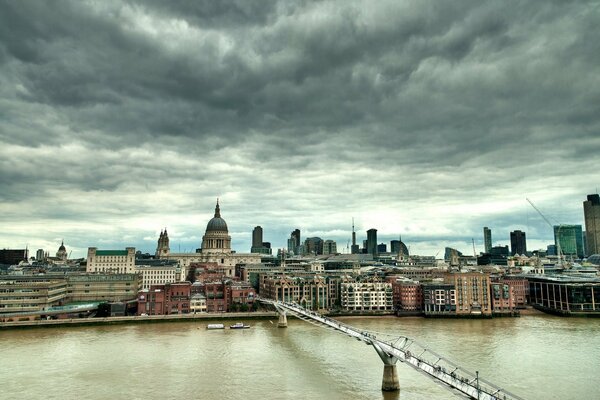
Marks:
<point>410,353</point>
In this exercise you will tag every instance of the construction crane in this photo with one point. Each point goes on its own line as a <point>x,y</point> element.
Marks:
<point>557,240</point>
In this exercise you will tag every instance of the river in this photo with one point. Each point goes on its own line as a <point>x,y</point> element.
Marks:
<point>536,357</point>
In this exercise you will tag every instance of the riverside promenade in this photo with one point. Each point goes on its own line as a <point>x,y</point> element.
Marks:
<point>138,319</point>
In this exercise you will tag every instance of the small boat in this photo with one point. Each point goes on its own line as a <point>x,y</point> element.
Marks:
<point>215,326</point>
<point>239,325</point>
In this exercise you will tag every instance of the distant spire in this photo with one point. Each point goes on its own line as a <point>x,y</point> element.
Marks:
<point>217,210</point>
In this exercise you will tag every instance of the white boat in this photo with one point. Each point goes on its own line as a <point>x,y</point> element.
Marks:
<point>239,325</point>
<point>215,326</point>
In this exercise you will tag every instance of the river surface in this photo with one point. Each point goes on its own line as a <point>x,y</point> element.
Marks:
<point>536,357</point>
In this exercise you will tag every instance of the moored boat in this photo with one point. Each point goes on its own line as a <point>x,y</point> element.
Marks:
<point>239,325</point>
<point>215,326</point>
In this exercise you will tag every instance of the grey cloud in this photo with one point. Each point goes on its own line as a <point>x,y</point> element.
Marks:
<point>309,110</point>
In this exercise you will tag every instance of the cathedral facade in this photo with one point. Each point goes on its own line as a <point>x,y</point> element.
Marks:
<point>216,248</point>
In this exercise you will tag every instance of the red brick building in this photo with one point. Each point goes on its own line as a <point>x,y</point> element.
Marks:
<point>502,295</point>
<point>520,287</point>
<point>407,294</point>
<point>170,298</point>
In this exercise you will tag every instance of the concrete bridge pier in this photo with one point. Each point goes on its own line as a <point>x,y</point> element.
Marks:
<point>282,323</point>
<point>390,382</point>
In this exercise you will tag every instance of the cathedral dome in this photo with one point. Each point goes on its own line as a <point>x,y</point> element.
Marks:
<point>217,224</point>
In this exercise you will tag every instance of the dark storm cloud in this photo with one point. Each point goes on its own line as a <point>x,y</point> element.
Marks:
<point>303,109</point>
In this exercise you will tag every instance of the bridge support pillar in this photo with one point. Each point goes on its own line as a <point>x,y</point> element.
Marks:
<point>282,323</point>
<point>390,382</point>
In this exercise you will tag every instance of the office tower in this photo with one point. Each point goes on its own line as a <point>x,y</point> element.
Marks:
<point>295,236</point>
<point>40,255</point>
<point>381,248</point>
<point>591,214</point>
<point>569,239</point>
<point>487,239</point>
<point>518,243</point>
<point>313,245</point>
<point>372,242</point>
<point>257,236</point>
<point>329,247</point>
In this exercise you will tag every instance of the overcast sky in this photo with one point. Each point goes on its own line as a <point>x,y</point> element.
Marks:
<point>423,119</point>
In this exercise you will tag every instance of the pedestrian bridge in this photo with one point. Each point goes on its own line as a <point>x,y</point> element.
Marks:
<point>393,348</point>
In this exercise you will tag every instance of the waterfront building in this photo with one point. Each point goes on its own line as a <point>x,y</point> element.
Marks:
<point>439,299</point>
<point>487,239</point>
<point>472,293</point>
<point>216,248</point>
<point>591,213</point>
<point>158,271</point>
<point>111,261</point>
<point>171,298</point>
<point>372,242</point>
<point>311,292</point>
<point>520,289</point>
<point>565,295</point>
<point>239,296</point>
<point>366,296</point>
<point>518,243</point>
<point>570,240</point>
<point>198,303</point>
<point>407,295</point>
<point>19,294</point>
<point>503,298</point>
<point>111,287</point>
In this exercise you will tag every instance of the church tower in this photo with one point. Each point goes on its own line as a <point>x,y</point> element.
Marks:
<point>162,249</point>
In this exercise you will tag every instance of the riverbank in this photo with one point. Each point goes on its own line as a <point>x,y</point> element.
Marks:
<point>137,319</point>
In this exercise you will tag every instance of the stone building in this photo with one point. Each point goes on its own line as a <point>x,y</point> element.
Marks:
<point>111,261</point>
<point>216,248</point>
<point>366,296</point>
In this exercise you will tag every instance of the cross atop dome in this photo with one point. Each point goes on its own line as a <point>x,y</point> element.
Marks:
<point>217,210</point>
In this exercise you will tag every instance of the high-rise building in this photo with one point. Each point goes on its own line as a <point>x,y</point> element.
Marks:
<point>569,239</point>
<point>591,213</point>
<point>258,246</point>
<point>381,248</point>
<point>487,239</point>
<point>313,245</point>
<point>257,236</point>
<point>397,247</point>
<point>329,247</point>
<point>40,255</point>
<point>295,237</point>
<point>518,243</point>
<point>372,242</point>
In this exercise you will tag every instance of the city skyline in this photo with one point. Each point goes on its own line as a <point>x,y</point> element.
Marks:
<point>423,120</point>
